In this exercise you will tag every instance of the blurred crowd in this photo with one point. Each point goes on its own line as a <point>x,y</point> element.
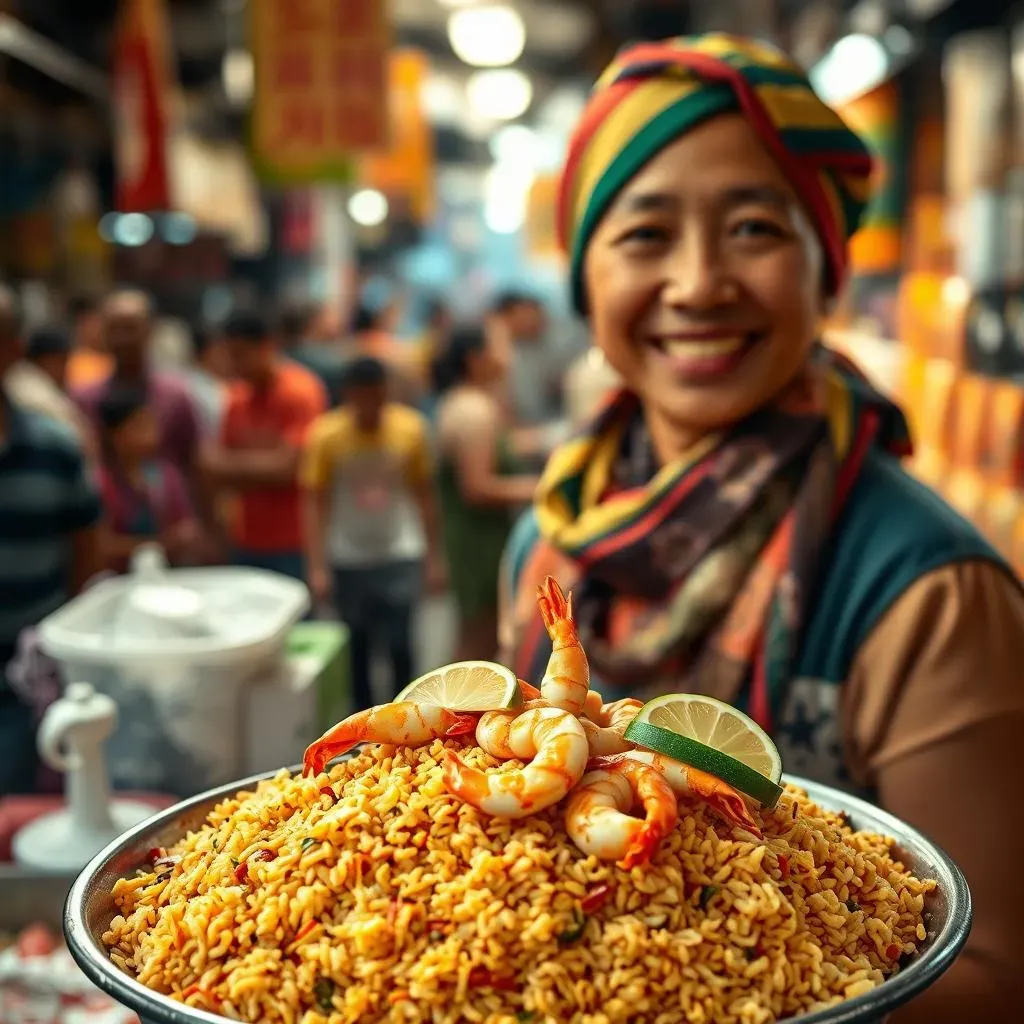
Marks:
<point>376,468</point>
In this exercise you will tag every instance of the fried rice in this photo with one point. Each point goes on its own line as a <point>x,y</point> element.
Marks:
<point>380,897</point>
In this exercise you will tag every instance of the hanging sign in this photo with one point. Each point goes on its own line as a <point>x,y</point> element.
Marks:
<point>320,95</point>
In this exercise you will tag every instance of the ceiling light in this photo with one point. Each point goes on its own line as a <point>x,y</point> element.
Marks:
<point>562,108</point>
<point>515,144</point>
<point>856,64</point>
<point>368,207</point>
<point>133,229</point>
<point>499,95</point>
<point>178,228</point>
<point>504,218</point>
<point>506,197</point>
<point>238,76</point>
<point>442,99</point>
<point>898,40</point>
<point>492,36</point>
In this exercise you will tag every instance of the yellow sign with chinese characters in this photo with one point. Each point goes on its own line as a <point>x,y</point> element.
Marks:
<point>321,88</point>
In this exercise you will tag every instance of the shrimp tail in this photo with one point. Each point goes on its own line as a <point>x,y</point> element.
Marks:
<point>605,762</point>
<point>718,795</point>
<point>732,807</point>
<point>566,681</point>
<point>464,724</point>
<point>339,739</point>
<point>555,608</point>
<point>643,846</point>
<point>528,690</point>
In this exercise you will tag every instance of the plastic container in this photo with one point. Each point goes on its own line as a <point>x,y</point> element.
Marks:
<point>174,648</point>
<point>90,908</point>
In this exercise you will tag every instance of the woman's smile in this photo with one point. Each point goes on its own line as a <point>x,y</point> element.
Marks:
<point>702,355</point>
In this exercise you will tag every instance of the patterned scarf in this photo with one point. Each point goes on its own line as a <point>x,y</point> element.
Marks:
<point>698,576</point>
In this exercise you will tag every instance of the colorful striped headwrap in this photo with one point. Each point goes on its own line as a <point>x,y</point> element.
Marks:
<point>653,93</point>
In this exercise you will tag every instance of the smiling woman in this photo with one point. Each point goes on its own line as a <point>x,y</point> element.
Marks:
<point>736,522</point>
<point>713,230</point>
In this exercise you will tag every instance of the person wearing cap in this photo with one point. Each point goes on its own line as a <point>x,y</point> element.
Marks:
<point>735,521</point>
<point>37,381</point>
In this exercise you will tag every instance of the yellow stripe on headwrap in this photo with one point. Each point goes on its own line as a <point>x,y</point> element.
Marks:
<point>792,106</point>
<point>639,108</point>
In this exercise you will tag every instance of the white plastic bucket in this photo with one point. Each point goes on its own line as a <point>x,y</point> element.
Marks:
<point>175,648</point>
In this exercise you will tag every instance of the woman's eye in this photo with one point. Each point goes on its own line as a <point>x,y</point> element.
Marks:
<point>644,233</point>
<point>757,227</point>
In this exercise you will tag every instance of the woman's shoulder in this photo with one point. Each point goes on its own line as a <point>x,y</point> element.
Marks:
<point>892,532</point>
<point>889,512</point>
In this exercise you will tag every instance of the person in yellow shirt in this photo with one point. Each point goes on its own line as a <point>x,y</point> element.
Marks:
<point>370,520</point>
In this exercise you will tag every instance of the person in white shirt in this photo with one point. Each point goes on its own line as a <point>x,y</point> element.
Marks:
<point>37,382</point>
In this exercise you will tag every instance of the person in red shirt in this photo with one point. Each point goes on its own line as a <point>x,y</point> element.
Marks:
<point>269,410</point>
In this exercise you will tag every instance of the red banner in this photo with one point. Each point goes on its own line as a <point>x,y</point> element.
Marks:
<point>321,86</point>
<point>141,90</point>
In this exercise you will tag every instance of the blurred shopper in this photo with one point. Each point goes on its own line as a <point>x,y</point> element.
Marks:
<point>144,496</point>
<point>127,319</point>
<point>49,512</point>
<point>538,361</point>
<point>89,362</point>
<point>371,521</point>
<point>37,382</point>
<point>268,415</point>
<point>207,378</point>
<point>438,324</point>
<point>374,335</point>
<point>478,482</point>
<point>320,358</point>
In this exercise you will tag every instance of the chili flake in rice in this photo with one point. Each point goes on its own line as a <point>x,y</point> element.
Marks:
<point>384,898</point>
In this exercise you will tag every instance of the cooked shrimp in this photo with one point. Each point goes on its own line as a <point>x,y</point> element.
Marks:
<point>567,680</point>
<point>687,781</point>
<point>404,723</point>
<point>597,817</point>
<point>593,704</point>
<point>554,743</point>
<point>494,730</point>
<point>606,725</point>
<point>619,713</point>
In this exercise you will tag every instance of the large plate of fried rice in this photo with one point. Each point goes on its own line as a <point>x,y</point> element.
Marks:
<point>382,898</point>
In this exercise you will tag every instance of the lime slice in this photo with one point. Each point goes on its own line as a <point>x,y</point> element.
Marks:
<point>714,737</point>
<point>466,686</point>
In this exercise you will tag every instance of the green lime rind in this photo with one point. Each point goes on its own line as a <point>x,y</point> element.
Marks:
<point>699,755</point>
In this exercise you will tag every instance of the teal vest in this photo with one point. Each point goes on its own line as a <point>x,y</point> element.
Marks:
<point>892,532</point>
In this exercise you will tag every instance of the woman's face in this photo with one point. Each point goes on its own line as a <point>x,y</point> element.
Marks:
<point>704,279</point>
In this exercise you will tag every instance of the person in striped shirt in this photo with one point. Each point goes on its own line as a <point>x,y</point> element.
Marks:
<point>49,513</point>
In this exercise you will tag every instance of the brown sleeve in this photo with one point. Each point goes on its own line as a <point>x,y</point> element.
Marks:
<point>933,717</point>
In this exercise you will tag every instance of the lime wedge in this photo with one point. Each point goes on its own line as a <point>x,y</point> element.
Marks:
<point>714,737</point>
<point>466,686</point>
